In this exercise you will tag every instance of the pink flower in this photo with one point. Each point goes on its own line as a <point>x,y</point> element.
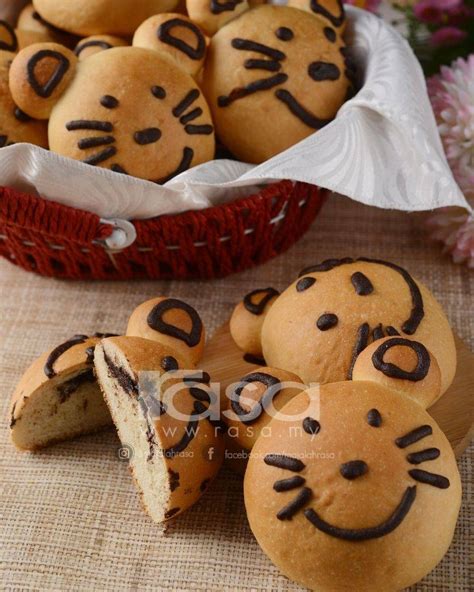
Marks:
<point>447,36</point>
<point>452,97</point>
<point>434,11</point>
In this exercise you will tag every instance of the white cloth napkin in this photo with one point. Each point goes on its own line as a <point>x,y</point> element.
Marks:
<point>383,149</point>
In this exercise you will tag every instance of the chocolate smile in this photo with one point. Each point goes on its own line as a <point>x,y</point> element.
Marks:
<point>365,534</point>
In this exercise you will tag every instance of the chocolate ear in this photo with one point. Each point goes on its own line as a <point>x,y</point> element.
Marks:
<point>39,75</point>
<point>8,39</point>
<point>165,34</point>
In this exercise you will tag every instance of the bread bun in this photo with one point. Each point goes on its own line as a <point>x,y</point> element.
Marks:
<point>177,36</point>
<point>171,322</point>
<point>354,488</point>
<point>247,320</point>
<point>401,364</point>
<point>58,397</point>
<point>255,399</point>
<point>175,447</point>
<point>321,323</point>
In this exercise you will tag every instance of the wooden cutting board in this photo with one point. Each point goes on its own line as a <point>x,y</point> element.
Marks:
<point>453,412</point>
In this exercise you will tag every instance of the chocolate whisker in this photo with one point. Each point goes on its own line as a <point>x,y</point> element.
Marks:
<point>186,102</point>
<point>86,143</point>
<point>89,124</point>
<point>247,45</point>
<point>101,156</point>
<point>198,129</point>
<point>287,484</point>
<point>430,478</point>
<point>414,436</point>
<point>416,458</point>
<point>377,333</point>
<point>282,461</point>
<point>191,115</point>
<point>295,505</point>
<point>270,65</point>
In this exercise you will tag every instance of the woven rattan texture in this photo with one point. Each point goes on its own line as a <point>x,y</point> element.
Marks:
<point>58,241</point>
<point>70,518</point>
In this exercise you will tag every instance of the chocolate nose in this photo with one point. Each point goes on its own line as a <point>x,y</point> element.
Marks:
<point>353,469</point>
<point>147,136</point>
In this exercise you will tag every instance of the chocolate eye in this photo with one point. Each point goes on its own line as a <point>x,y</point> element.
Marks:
<point>327,321</point>
<point>109,102</point>
<point>374,418</point>
<point>330,34</point>
<point>305,283</point>
<point>311,426</point>
<point>362,285</point>
<point>158,92</point>
<point>284,34</point>
<point>169,364</point>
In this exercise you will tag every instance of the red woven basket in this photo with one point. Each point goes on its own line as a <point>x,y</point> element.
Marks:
<point>63,242</point>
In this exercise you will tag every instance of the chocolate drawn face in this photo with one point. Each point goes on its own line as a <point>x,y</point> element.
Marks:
<point>154,125</point>
<point>325,478</point>
<point>352,470</point>
<point>337,308</point>
<point>271,62</point>
<point>279,60</point>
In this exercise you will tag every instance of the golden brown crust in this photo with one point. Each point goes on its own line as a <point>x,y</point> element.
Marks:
<point>371,365</point>
<point>177,36</point>
<point>255,400</point>
<point>382,490</point>
<point>300,85</point>
<point>145,133</point>
<point>72,360</point>
<point>246,324</point>
<point>96,43</point>
<point>331,12</point>
<point>15,127</point>
<point>212,20</point>
<point>39,75</point>
<point>171,322</point>
<point>314,328</point>
<point>95,17</point>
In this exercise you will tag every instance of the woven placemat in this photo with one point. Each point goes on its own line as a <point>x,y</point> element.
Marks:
<point>70,518</point>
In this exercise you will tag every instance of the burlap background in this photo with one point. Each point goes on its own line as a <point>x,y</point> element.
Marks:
<point>69,516</point>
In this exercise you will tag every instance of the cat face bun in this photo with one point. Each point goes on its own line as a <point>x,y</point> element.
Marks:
<point>128,109</point>
<point>177,36</point>
<point>347,484</point>
<point>95,17</point>
<point>277,61</point>
<point>319,325</point>
<point>171,322</point>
